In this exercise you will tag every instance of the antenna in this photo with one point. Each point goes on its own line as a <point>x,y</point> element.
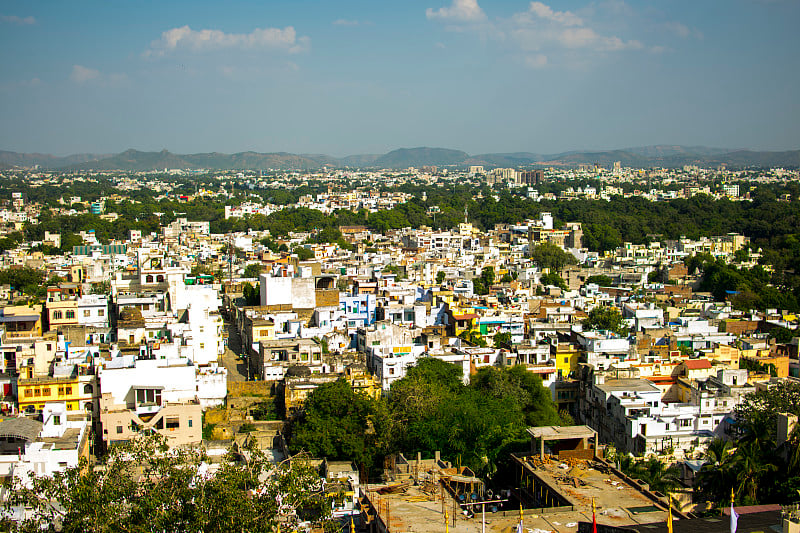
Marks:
<point>230,258</point>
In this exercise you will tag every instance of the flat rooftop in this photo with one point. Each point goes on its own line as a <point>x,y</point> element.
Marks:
<point>639,385</point>
<point>579,482</point>
<point>420,508</point>
<point>562,432</point>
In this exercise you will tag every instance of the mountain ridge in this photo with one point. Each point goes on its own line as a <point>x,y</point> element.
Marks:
<point>670,156</point>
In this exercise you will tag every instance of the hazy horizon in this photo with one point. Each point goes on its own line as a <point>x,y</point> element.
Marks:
<point>358,77</point>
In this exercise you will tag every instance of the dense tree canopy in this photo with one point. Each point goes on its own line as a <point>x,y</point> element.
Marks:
<point>141,487</point>
<point>607,319</point>
<point>547,255</point>
<point>340,424</point>
<point>756,466</point>
<point>428,410</point>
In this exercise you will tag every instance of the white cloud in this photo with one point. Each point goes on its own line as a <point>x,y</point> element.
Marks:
<point>536,61</point>
<point>682,30</point>
<point>185,38</point>
<point>85,75</point>
<point>345,22</point>
<point>541,27</point>
<point>13,19</point>
<point>459,11</point>
<point>565,18</point>
<point>81,74</point>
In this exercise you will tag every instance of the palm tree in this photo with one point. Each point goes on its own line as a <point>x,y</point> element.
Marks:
<point>718,450</point>
<point>659,476</point>
<point>718,474</point>
<point>751,467</point>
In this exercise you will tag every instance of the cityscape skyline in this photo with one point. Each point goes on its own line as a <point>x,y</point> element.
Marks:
<point>358,78</point>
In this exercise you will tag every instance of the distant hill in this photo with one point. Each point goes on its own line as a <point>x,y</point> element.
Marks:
<point>417,157</point>
<point>668,150</point>
<point>134,160</point>
<point>360,161</point>
<point>641,157</point>
<point>21,160</point>
<point>505,160</point>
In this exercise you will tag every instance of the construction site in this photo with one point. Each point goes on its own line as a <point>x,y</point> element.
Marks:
<point>559,484</point>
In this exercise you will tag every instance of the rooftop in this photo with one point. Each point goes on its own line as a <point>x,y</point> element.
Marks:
<point>562,432</point>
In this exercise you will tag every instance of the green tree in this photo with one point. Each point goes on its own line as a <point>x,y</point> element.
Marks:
<point>479,423</point>
<point>600,279</point>
<point>548,255</point>
<point>304,254</point>
<point>252,270</point>
<point>473,337</point>
<point>141,487</point>
<point>252,295</point>
<point>487,276</point>
<point>502,340</point>
<point>340,424</point>
<point>551,278</point>
<point>782,335</point>
<point>607,319</point>
<point>28,280</point>
<point>440,276</point>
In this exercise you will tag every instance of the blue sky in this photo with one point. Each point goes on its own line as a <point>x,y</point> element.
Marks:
<point>351,77</point>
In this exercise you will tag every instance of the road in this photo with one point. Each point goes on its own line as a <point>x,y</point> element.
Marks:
<point>237,369</point>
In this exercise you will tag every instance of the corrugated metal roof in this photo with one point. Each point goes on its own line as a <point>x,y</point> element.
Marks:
<point>21,428</point>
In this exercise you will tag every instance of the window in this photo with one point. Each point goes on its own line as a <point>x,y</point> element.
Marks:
<point>190,422</point>
<point>46,391</point>
<point>87,389</point>
<point>148,396</point>
<point>68,390</point>
<point>37,392</point>
<point>173,422</point>
<point>149,279</point>
<point>87,312</point>
<point>28,392</point>
<point>101,312</point>
<point>70,314</point>
<point>49,347</point>
<point>70,406</point>
<point>202,345</point>
<point>56,420</point>
<point>57,315</point>
<point>119,429</point>
<point>61,391</point>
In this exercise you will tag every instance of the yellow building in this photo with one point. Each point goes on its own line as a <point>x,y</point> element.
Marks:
<point>463,319</point>
<point>21,321</point>
<point>727,355</point>
<point>362,382</point>
<point>78,392</point>
<point>566,356</point>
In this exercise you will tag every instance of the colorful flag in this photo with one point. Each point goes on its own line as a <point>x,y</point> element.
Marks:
<point>594,519</point>
<point>669,517</point>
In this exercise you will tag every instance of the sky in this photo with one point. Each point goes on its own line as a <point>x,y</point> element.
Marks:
<point>369,76</point>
